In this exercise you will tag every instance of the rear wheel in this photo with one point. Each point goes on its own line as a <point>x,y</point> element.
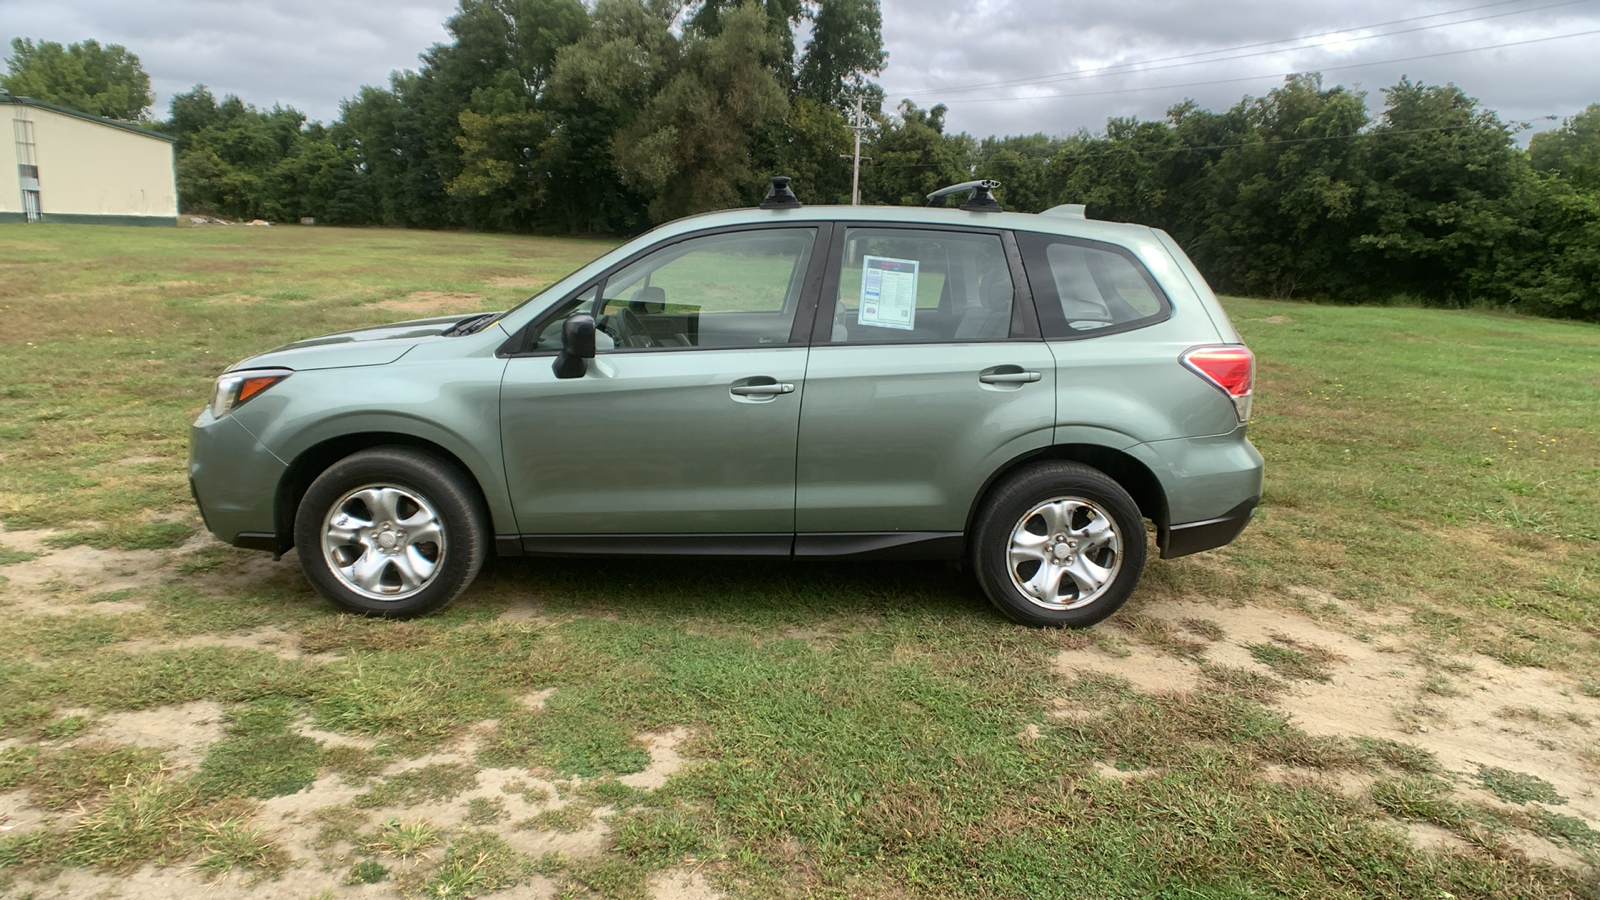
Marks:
<point>1058,544</point>
<point>391,532</point>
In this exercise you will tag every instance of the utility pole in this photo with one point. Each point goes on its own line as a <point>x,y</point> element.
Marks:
<point>855,178</point>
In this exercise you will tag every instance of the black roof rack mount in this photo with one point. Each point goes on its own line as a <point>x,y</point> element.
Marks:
<point>780,196</point>
<point>980,200</point>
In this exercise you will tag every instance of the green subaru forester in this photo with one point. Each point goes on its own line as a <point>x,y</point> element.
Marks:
<point>1017,391</point>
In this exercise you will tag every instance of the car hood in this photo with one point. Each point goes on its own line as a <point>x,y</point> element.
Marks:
<point>373,346</point>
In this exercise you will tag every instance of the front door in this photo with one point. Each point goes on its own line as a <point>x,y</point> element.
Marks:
<point>927,375</point>
<point>685,422</point>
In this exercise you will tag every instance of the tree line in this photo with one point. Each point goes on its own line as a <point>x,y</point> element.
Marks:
<point>552,116</point>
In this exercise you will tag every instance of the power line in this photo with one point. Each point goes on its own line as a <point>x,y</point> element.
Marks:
<point>1360,65</point>
<point>1149,66</point>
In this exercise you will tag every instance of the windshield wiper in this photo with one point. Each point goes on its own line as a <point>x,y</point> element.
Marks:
<point>469,325</point>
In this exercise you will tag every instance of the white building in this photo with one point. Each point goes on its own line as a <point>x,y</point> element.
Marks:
<point>62,165</point>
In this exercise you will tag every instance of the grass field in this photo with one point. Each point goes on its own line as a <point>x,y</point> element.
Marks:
<point>1388,687</point>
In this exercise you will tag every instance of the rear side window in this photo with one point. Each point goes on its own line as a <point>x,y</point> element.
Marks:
<point>907,284</point>
<point>1083,288</point>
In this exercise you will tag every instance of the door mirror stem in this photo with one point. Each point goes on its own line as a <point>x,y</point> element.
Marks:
<point>577,345</point>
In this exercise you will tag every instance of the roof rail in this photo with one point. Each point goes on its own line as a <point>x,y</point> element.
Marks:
<point>980,200</point>
<point>779,195</point>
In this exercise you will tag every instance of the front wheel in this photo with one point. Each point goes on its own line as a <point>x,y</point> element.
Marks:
<point>391,532</point>
<point>1058,544</point>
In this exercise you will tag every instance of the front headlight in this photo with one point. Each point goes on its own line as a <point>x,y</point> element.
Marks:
<point>237,388</point>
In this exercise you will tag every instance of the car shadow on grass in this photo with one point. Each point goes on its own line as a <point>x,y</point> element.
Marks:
<point>738,591</point>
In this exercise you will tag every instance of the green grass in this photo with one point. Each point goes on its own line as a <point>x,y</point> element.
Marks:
<point>855,728</point>
<point>262,755</point>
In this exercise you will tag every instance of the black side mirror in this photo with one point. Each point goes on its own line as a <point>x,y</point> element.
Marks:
<point>577,345</point>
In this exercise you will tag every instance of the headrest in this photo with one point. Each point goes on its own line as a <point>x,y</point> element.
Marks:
<point>994,289</point>
<point>649,300</point>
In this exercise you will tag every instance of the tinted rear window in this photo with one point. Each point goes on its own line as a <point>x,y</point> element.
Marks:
<point>1086,287</point>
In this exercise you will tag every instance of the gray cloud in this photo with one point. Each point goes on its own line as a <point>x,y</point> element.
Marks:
<point>949,43</point>
<point>311,54</point>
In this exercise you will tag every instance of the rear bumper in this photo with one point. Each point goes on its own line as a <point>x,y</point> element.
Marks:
<point>1193,537</point>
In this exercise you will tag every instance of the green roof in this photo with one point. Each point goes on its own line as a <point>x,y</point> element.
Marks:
<point>6,97</point>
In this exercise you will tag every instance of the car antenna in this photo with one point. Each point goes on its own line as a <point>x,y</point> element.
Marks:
<point>980,200</point>
<point>779,196</point>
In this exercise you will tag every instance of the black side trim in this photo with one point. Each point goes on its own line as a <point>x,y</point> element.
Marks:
<point>1182,540</point>
<point>881,545</point>
<point>508,545</point>
<point>657,544</point>
<point>255,540</point>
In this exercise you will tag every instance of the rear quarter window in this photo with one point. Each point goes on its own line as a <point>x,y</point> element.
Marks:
<point>1085,288</point>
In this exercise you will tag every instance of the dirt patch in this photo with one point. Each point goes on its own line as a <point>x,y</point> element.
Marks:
<point>1148,671</point>
<point>682,884</point>
<point>1468,712</point>
<point>664,759</point>
<point>514,282</point>
<point>152,883</point>
<point>1106,770</point>
<point>272,640</point>
<point>183,732</point>
<point>1431,837</point>
<point>18,814</point>
<point>60,582</point>
<point>431,301</point>
<point>1274,320</point>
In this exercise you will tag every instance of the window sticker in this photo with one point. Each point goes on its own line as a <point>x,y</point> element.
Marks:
<point>888,293</point>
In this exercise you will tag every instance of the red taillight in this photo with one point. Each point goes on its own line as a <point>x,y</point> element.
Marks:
<point>1231,367</point>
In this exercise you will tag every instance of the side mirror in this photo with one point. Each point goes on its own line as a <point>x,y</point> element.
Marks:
<point>577,345</point>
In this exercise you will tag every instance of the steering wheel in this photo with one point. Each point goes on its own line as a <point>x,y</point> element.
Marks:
<point>630,328</point>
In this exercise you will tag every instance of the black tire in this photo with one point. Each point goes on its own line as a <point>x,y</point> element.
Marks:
<point>1085,505</point>
<point>373,497</point>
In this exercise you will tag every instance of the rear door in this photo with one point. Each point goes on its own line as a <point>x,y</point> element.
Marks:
<point>927,372</point>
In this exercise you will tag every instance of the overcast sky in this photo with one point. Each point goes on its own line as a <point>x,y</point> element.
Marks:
<point>1085,61</point>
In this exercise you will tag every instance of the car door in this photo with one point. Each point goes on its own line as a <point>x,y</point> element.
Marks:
<point>926,373</point>
<point>682,431</point>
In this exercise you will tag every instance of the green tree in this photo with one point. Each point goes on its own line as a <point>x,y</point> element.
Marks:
<point>1571,151</point>
<point>1443,207</point>
<point>846,46</point>
<point>912,157</point>
<point>105,81</point>
<point>1282,210</point>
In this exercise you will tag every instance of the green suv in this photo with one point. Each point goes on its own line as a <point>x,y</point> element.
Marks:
<point>1017,391</point>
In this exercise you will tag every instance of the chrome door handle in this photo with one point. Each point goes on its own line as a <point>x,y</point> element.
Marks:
<point>1009,377</point>
<point>762,390</point>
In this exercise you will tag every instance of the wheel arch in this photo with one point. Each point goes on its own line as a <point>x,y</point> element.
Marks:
<point>316,459</point>
<point>1126,470</point>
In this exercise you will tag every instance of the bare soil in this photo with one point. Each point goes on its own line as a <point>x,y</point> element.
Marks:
<point>1528,721</point>
<point>433,301</point>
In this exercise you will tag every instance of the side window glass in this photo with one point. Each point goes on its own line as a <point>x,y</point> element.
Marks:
<point>739,289</point>
<point>548,336</point>
<point>902,284</point>
<point>1082,287</point>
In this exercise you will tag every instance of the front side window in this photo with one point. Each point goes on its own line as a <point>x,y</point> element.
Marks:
<point>1086,287</point>
<point>905,284</point>
<point>547,336</point>
<point>738,289</point>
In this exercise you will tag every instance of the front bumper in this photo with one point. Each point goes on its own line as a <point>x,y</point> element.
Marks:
<point>234,479</point>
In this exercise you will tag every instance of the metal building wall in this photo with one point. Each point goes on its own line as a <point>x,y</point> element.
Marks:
<point>89,170</point>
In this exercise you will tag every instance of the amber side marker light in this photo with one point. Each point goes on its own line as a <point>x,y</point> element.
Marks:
<point>236,388</point>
